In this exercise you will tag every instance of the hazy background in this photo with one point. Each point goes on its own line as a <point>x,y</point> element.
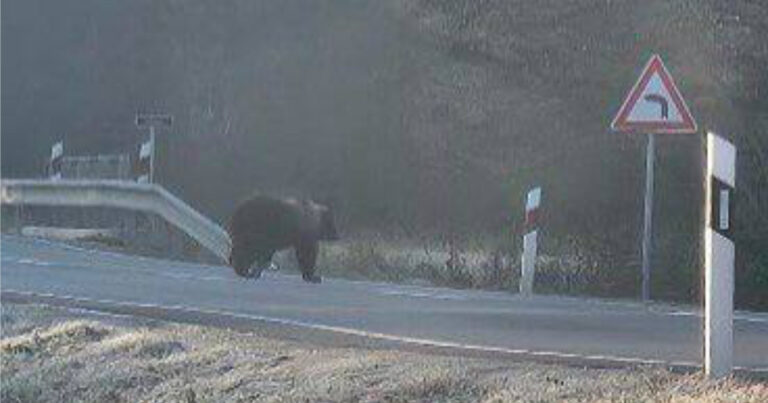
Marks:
<point>413,119</point>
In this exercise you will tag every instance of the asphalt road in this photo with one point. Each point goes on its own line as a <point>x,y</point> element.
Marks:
<point>491,322</point>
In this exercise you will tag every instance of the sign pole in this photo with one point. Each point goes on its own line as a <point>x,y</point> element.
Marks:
<point>653,106</point>
<point>648,216</point>
<point>719,252</point>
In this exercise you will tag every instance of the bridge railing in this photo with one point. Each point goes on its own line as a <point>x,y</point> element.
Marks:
<point>144,197</point>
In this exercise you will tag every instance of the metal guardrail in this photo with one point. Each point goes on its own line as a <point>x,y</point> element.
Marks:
<point>120,194</point>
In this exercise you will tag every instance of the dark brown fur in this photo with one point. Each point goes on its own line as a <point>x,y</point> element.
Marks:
<point>264,225</point>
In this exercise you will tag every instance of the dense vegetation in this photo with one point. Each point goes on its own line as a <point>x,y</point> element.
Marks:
<point>414,119</point>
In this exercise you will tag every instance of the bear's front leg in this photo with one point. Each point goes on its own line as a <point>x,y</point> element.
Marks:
<point>241,259</point>
<point>306,254</point>
<point>263,261</point>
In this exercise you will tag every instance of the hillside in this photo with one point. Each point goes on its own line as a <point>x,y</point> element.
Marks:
<point>524,93</point>
<point>415,119</point>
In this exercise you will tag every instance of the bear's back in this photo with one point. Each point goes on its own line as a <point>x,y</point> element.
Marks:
<point>266,219</point>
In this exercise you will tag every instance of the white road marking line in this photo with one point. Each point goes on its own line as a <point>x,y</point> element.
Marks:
<point>33,262</point>
<point>119,255</point>
<point>401,290</point>
<point>389,291</point>
<point>99,313</point>
<point>741,317</point>
<point>436,295</point>
<point>450,297</point>
<point>408,291</point>
<point>404,293</point>
<point>377,335</point>
<point>184,276</point>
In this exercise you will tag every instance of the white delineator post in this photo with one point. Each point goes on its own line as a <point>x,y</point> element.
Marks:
<point>719,257</point>
<point>530,241</point>
<point>146,157</point>
<point>152,154</point>
<point>147,150</point>
<point>57,155</point>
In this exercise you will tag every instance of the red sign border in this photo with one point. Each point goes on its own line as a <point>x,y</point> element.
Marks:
<point>687,126</point>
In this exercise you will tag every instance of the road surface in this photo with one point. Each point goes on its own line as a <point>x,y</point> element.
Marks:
<point>481,321</point>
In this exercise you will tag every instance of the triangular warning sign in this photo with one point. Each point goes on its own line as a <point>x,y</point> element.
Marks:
<point>654,105</point>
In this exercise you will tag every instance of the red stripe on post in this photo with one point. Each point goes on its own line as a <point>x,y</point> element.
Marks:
<point>531,218</point>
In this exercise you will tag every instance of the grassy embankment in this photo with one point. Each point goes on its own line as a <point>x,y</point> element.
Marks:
<point>53,354</point>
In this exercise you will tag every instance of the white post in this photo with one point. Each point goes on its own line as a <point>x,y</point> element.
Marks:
<point>530,242</point>
<point>648,216</point>
<point>151,120</point>
<point>719,257</point>
<point>152,154</point>
<point>146,153</point>
<point>54,163</point>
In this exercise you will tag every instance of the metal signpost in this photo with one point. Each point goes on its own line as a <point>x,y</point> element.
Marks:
<point>653,106</point>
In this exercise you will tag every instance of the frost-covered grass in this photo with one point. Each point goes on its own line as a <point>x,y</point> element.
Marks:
<point>51,355</point>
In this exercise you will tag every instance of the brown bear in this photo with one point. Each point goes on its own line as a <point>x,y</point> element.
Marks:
<point>263,225</point>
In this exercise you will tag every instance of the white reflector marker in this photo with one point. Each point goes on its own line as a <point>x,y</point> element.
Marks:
<point>723,207</point>
<point>719,253</point>
<point>530,242</point>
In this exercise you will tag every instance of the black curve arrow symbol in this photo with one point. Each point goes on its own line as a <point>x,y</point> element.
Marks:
<point>661,101</point>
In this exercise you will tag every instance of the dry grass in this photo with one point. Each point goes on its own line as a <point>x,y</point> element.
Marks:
<point>437,264</point>
<point>408,262</point>
<point>51,354</point>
